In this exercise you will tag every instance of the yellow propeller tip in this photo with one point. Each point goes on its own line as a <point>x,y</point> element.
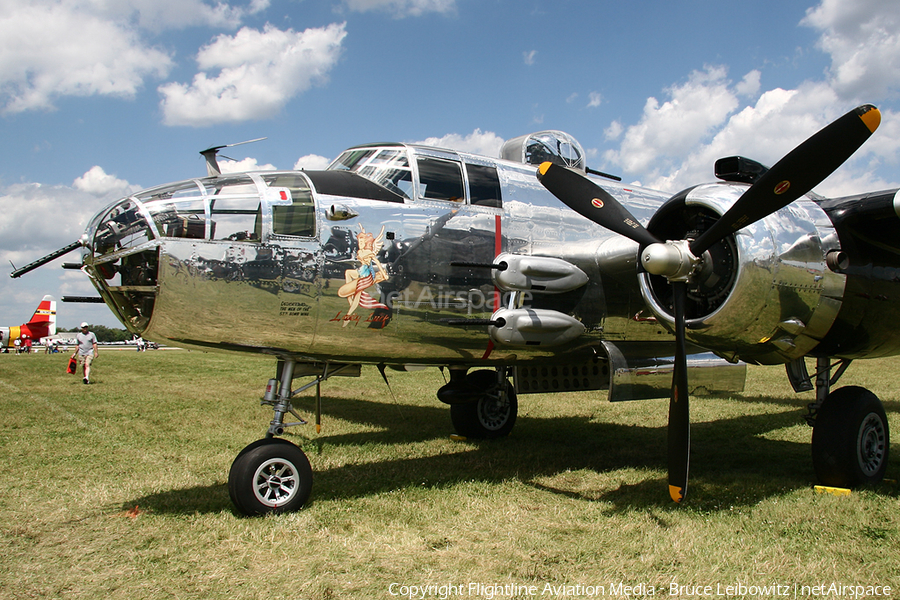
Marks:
<point>871,116</point>
<point>676,493</point>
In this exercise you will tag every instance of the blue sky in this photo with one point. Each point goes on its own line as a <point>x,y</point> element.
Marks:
<point>102,97</point>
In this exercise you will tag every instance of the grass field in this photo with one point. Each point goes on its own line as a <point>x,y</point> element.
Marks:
<point>118,490</point>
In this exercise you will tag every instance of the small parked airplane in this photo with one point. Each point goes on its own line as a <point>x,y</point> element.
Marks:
<point>403,255</point>
<point>42,324</point>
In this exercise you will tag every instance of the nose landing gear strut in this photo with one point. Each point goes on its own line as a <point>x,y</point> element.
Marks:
<point>272,474</point>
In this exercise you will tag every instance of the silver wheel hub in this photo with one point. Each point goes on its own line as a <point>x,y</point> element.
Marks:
<point>493,411</point>
<point>275,482</point>
<point>870,444</point>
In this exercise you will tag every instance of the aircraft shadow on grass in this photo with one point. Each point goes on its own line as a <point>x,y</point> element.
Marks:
<point>733,464</point>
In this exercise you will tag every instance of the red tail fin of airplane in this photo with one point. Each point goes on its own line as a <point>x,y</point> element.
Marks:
<point>44,316</point>
<point>41,324</point>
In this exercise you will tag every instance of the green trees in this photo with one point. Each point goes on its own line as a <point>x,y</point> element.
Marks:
<point>103,333</point>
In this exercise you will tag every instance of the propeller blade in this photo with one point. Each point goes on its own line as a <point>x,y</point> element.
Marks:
<point>679,411</point>
<point>801,170</point>
<point>593,202</point>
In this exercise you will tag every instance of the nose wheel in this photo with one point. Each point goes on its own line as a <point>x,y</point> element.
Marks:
<point>269,476</point>
<point>272,475</point>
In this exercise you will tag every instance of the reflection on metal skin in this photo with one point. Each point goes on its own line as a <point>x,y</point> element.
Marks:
<point>266,262</point>
<point>644,370</point>
<point>781,277</point>
<point>523,327</point>
<point>538,273</point>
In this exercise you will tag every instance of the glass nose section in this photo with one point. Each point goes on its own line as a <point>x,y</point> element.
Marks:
<point>123,262</point>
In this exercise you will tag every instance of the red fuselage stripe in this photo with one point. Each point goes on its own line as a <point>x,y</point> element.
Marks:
<point>498,248</point>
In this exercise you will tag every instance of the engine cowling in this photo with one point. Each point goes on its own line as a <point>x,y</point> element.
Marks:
<point>764,294</point>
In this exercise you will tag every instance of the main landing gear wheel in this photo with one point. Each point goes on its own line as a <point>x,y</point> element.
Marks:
<point>271,475</point>
<point>850,439</point>
<point>492,415</point>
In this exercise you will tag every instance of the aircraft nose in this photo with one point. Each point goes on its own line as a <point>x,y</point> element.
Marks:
<point>122,257</point>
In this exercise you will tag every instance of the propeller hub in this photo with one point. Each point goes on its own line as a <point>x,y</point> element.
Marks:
<point>672,260</point>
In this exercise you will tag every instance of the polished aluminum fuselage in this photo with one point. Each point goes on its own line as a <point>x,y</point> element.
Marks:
<point>427,261</point>
<point>280,294</point>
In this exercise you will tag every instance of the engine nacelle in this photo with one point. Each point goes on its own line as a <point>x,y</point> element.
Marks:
<point>765,294</point>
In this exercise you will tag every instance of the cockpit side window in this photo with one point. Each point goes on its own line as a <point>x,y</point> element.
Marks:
<point>350,160</point>
<point>484,185</point>
<point>299,218</point>
<point>177,210</point>
<point>185,219</point>
<point>236,219</point>
<point>388,167</point>
<point>440,179</point>
<point>236,211</point>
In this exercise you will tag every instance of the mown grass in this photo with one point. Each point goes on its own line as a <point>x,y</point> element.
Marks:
<point>118,490</point>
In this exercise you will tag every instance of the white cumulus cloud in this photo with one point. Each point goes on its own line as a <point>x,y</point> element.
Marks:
<point>749,86</point>
<point>240,166</point>
<point>693,110</point>
<point>54,49</point>
<point>678,139</point>
<point>614,131</point>
<point>312,162</point>
<point>40,218</point>
<point>98,183</point>
<point>863,39</point>
<point>253,75</point>
<point>160,15</point>
<point>486,143</point>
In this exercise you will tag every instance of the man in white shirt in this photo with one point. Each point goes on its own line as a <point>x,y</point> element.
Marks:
<point>87,350</point>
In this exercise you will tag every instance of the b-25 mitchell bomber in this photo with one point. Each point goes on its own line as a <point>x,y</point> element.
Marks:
<point>523,274</point>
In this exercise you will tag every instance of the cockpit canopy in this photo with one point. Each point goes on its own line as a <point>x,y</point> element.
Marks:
<point>388,167</point>
<point>420,173</point>
<point>557,147</point>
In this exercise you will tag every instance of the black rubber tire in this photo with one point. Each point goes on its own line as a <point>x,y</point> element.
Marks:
<point>271,475</point>
<point>850,440</point>
<point>249,447</point>
<point>493,415</point>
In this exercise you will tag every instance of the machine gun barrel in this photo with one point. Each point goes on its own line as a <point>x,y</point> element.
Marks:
<point>44,260</point>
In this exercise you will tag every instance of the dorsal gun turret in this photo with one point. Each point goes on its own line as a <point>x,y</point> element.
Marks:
<point>557,147</point>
